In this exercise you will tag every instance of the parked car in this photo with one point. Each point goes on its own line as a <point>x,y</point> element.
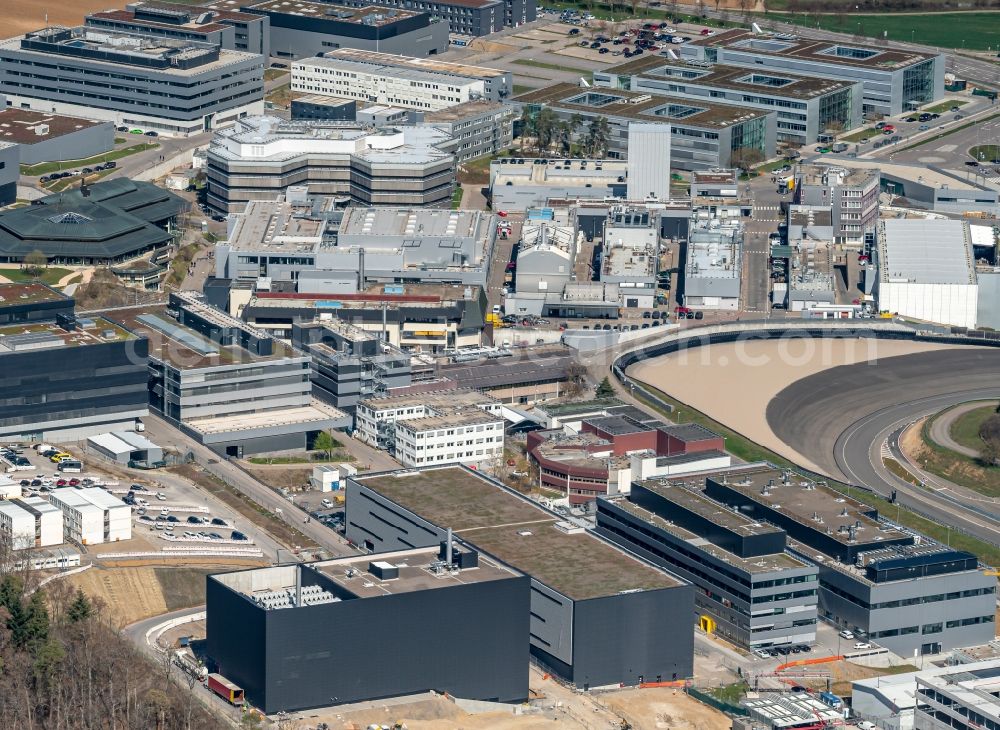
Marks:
<point>862,645</point>
<point>845,634</point>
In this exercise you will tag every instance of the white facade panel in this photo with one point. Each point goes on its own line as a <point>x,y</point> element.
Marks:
<point>951,304</point>
<point>648,161</point>
<point>17,526</point>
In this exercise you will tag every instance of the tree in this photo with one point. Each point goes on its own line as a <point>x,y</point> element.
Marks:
<point>605,389</point>
<point>545,128</point>
<point>576,378</point>
<point>747,158</point>
<point>35,263</point>
<point>80,609</point>
<point>527,125</point>
<point>596,139</point>
<point>324,442</point>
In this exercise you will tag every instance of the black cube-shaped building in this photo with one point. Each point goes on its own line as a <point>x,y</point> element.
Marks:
<point>296,637</point>
<point>598,616</point>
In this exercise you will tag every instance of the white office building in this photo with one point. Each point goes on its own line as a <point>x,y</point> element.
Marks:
<point>927,271</point>
<point>384,78</point>
<point>29,523</point>
<point>91,516</point>
<point>438,427</point>
<point>648,161</point>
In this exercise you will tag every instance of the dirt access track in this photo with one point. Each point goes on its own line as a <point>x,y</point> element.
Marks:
<point>21,16</point>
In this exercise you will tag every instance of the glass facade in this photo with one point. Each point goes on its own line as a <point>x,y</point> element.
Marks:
<point>918,83</point>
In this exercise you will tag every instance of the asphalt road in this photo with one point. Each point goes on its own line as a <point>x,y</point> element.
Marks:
<point>859,454</point>
<point>940,431</point>
<point>840,418</point>
<point>162,433</point>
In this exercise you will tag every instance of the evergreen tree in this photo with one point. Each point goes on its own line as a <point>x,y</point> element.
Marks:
<point>79,609</point>
<point>605,389</point>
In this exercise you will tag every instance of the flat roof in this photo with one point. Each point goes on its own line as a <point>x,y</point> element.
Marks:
<point>414,222</point>
<point>923,174</point>
<point>184,348</point>
<point>30,336</point>
<point>440,399</point>
<point>517,532</point>
<point>701,113</point>
<point>369,15</point>
<point>925,252</point>
<point>27,127</point>
<point>737,78</point>
<point>870,57</point>
<point>33,293</point>
<point>713,254</point>
<point>396,61</point>
<point>708,509</point>
<point>277,225</point>
<point>318,413</point>
<point>688,432</point>
<point>618,425</point>
<point>523,367</point>
<point>810,503</point>
<point>756,564</point>
<point>472,108</point>
<point>573,408</point>
<point>415,572</point>
<point>167,56</point>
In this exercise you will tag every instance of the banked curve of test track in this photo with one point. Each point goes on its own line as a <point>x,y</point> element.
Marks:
<point>855,453</point>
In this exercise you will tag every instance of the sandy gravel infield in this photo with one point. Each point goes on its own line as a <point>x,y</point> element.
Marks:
<point>733,382</point>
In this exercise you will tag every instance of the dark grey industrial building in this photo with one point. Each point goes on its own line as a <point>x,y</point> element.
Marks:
<point>67,378</point>
<point>750,590</point>
<point>296,637</point>
<point>599,616</point>
<point>320,106</point>
<point>466,17</point>
<point>350,364</point>
<point>224,28</point>
<point>10,171</point>
<point>874,578</point>
<point>43,137</point>
<point>171,86</point>
<point>102,224</point>
<point>230,386</point>
<point>312,28</point>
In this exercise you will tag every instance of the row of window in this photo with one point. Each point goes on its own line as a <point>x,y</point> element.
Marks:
<point>934,628</point>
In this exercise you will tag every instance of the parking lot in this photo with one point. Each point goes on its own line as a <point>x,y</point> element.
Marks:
<point>558,48</point>
<point>164,506</point>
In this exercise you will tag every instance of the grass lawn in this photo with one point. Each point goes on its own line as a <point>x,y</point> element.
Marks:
<point>743,448</point>
<point>985,152</point>
<point>730,693</point>
<point>475,171</point>
<point>522,89</point>
<point>971,31</point>
<point>50,275</point>
<point>550,66</point>
<point>945,106</point>
<point>622,13</point>
<point>270,74</point>
<point>900,471</point>
<point>456,198</point>
<point>282,96</point>
<point>965,429</point>
<point>861,135</point>
<point>44,168</point>
<point>772,166</point>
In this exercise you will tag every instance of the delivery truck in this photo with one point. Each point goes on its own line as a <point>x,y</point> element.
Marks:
<point>225,689</point>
